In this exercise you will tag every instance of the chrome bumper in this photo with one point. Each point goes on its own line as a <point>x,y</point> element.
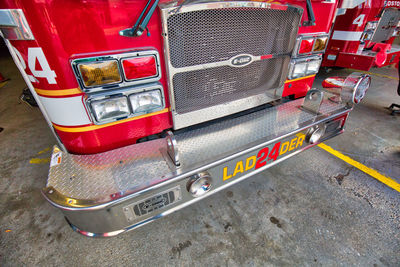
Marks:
<point>109,193</point>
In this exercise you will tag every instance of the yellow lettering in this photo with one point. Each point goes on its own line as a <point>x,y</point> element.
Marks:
<point>300,140</point>
<point>253,162</point>
<point>226,176</point>
<point>284,148</point>
<point>238,168</point>
<point>292,144</point>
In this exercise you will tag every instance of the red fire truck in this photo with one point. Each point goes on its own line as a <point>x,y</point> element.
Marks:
<point>362,36</point>
<point>158,104</point>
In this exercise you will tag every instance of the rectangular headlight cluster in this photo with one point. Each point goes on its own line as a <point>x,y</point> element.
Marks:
<point>304,66</point>
<point>125,104</point>
<point>114,71</point>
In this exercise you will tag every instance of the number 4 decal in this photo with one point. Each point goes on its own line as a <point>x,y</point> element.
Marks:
<point>359,20</point>
<point>36,53</point>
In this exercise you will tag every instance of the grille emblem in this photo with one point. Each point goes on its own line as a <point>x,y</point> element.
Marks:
<point>241,60</point>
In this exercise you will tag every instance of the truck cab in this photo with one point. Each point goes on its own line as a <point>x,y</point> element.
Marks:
<point>158,104</point>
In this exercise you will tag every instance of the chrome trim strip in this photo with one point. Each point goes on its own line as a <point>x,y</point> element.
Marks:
<point>14,25</point>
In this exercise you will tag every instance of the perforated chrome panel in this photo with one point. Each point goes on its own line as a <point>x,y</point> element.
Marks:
<point>194,90</point>
<point>202,40</point>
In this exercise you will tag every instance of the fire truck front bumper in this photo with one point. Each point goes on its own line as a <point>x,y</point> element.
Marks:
<point>109,193</point>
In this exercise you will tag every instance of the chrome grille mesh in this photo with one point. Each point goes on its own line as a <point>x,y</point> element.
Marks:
<point>209,87</point>
<point>201,41</point>
<point>214,35</point>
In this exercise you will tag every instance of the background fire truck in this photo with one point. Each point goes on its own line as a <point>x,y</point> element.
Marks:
<point>363,36</point>
<point>158,104</point>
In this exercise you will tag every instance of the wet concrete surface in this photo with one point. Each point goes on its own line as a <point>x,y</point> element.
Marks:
<point>311,210</point>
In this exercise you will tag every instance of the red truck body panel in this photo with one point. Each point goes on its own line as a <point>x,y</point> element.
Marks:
<point>66,30</point>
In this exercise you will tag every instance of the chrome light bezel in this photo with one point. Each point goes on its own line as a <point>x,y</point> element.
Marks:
<point>93,62</point>
<point>146,78</point>
<point>314,37</point>
<point>104,100</point>
<point>119,58</point>
<point>123,92</point>
<point>303,60</point>
<point>350,86</point>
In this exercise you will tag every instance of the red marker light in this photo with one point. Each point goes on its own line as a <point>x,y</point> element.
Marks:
<point>139,67</point>
<point>306,46</point>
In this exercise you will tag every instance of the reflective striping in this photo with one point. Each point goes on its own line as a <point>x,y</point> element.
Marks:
<point>68,111</point>
<point>96,127</point>
<point>380,177</point>
<point>347,35</point>
<point>301,78</point>
<point>64,92</point>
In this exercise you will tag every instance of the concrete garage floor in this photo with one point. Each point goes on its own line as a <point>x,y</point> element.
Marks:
<point>313,209</point>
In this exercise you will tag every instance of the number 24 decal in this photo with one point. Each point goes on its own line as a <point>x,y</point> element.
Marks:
<point>36,53</point>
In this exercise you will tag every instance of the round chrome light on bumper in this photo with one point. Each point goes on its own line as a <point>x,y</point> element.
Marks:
<point>199,184</point>
<point>355,87</point>
<point>315,134</point>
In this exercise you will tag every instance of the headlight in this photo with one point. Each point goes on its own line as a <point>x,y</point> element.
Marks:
<point>299,70</point>
<point>146,101</point>
<point>99,73</point>
<point>313,67</point>
<point>304,66</point>
<point>361,89</point>
<point>355,87</point>
<point>111,108</point>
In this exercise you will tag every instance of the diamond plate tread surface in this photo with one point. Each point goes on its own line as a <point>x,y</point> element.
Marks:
<point>141,165</point>
<point>104,174</point>
<point>230,135</point>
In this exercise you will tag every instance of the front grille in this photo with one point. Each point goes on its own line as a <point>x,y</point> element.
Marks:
<point>200,34</point>
<point>214,35</point>
<point>198,89</point>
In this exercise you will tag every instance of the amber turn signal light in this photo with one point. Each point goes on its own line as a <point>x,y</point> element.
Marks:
<point>100,73</point>
<point>320,44</point>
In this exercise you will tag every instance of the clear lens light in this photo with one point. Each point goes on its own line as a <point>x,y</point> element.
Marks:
<point>146,101</point>
<point>313,67</point>
<point>100,73</point>
<point>361,90</point>
<point>110,108</point>
<point>299,70</point>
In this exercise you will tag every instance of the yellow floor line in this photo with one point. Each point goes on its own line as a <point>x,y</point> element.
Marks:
<point>380,177</point>
<point>39,161</point>
<point>3,83</point>
<point>379,75</point>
